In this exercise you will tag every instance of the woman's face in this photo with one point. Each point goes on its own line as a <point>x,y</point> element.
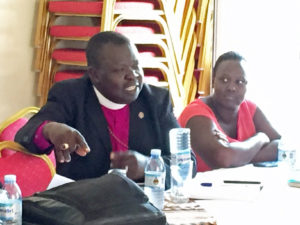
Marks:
<point>229,84</point>
<point>119,76</point>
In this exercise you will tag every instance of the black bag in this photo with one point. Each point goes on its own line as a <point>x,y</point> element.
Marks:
<point>109,200</point>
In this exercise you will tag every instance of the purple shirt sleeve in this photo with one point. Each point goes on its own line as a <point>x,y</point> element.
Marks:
<point>39,139</point>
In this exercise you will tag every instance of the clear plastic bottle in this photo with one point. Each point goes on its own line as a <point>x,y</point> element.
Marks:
<point>3,204</point>
<point>155,175</point>
<point>14,209</point>
<point>181,164</point>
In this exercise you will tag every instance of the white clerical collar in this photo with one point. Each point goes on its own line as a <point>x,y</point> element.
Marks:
<point>107,103</point>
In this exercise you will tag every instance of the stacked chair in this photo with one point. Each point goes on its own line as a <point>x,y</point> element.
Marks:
<point>204,52</point>
<point>188,38</point>
<point>196,37</point>
<point>163,31</point>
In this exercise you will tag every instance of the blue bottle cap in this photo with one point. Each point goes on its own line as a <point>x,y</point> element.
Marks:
<point>10,178</point>
<point>155,152</point>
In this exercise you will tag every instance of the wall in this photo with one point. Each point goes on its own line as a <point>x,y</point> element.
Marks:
<point>17,78</point>
<point>267,34</point>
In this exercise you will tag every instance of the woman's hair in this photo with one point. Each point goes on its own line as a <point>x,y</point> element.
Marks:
<point>231,55</point>
<point>98,41</point>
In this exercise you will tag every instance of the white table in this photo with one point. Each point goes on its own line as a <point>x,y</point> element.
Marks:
<point>276,203</point>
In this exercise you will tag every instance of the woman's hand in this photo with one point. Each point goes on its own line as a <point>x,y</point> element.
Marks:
<point>66,140</point>
<point>220,137</point>
<point>263,138</point>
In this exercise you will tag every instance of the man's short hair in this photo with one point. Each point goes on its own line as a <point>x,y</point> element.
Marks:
<point>98,41</point>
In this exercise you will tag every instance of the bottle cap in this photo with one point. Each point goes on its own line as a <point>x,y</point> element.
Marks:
<point>155,152</point>
<point>179,139</point>
<point>10,178</point>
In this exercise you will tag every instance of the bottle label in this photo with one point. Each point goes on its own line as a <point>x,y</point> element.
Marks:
<point>180,166</point>
<point>181,157</point>
<point>11,210</point>
<point>154,179</point>
<point>6,211</point>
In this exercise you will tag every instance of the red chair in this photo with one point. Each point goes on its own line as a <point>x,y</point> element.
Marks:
<point>34,172</point>
<point>11,125</point>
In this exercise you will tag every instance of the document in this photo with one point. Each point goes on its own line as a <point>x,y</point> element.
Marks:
<point>226,192</point>
<point>58,180</point>
<point>224,189</point>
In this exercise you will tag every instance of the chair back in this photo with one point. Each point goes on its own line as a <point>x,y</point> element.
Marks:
<point>10,126</point>
<point>34,172</point>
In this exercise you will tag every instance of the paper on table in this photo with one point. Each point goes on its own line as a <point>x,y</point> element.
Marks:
<point>224,191</point>
<point>58,180</point>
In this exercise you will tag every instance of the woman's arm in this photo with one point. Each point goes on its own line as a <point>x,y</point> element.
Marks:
<point>269,151</point>
<point>216,151</point>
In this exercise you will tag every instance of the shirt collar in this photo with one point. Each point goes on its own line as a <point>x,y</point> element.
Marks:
<point>107,103</point>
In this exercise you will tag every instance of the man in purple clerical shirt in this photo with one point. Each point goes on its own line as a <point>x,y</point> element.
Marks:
<point>106,119</point>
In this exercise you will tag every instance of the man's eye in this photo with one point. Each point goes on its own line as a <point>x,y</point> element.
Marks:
<point>118,70</point>
<point>241,82</point>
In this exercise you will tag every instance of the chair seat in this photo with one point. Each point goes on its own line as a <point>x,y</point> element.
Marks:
<point>78,55</point>
<point>73,31</point>
<point>89,31</point>
<point>69,54</point>
<point>68,74</point>
<point>75,7</point>
<point>73,74</point>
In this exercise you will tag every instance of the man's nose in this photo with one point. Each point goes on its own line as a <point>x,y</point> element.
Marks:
<point>132,73</point>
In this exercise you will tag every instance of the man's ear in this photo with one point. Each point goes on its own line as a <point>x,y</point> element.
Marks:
<point>92,74</point>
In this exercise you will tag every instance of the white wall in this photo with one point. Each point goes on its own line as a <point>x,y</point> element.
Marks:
<point>17,78</point>
<point>267,33</point>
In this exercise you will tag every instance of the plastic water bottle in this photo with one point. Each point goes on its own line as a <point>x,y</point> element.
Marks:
<point>287,153</point>
<point>181,164</point>
<point>3,204</point>
<point>155,175</point>
<point>14,203</point>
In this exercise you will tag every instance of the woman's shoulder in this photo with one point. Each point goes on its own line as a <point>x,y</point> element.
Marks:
<point>199,104</point>
<point>197,107</point>
<point>248,102</point>
<point>249,106</point>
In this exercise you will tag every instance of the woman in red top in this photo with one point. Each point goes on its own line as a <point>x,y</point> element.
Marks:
<point>226,129</point>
